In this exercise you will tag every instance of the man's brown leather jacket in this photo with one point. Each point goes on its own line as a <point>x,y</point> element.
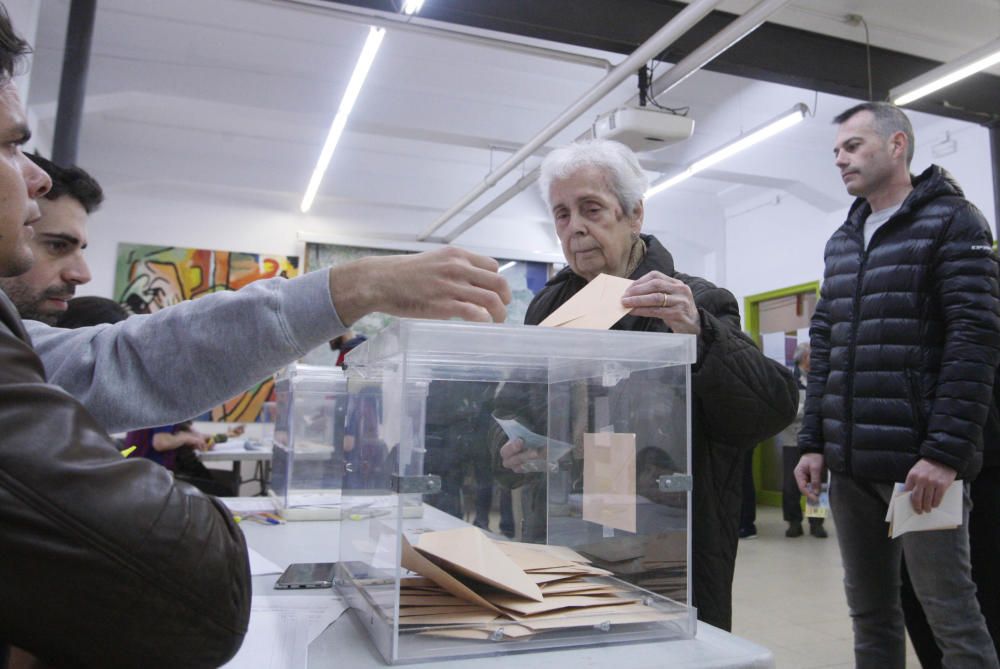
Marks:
<point>104,561</point>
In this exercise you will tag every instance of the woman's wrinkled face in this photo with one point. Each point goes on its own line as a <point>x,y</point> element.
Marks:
<point>595,233</point>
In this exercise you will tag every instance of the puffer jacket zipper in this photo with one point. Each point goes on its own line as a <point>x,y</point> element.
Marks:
<point>852,350</point>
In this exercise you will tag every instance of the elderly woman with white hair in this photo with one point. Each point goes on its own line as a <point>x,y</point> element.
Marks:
<point>594,190</point>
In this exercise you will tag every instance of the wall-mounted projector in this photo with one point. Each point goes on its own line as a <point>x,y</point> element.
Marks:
<point>643,128</point>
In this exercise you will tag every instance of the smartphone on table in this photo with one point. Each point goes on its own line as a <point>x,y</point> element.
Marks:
<point>306,575</point>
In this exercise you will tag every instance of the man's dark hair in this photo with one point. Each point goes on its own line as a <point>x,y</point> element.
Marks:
<point>91,310</point>
<point>72,181</point>
<point>13,49</point>
<point>889,119</point>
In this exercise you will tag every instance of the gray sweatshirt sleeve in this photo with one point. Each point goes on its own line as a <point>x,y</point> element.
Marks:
<point>181,361</point>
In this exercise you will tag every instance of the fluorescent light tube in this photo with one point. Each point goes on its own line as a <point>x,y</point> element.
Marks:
<point>361,69</point>
<point>985,56</point>
<point>412,6</point>
<point>661,186</point>
<point>507,266</point>
<point>768,130</point>
<point>755,136</point>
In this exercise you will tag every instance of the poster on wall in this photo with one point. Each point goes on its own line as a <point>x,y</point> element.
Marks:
<point>150,278</point>
<point>525,279</point>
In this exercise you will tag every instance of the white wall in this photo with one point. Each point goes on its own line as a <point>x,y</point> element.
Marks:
<point>779,245</point>
<point>24,15</point>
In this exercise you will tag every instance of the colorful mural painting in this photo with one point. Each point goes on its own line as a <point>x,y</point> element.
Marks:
<point>150,278</point>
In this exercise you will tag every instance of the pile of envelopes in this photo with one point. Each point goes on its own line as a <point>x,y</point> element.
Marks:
<point>657,563</point>
<point>468,580</point>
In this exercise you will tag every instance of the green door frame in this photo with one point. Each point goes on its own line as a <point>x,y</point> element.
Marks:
<point>751,311</point>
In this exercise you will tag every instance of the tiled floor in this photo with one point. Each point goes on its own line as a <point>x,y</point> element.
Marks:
<point>788,596</point>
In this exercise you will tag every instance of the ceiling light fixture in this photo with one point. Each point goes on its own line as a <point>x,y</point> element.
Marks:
<point>411,7</point>
<point>759,134</point>
<point>361,69</point>
<point>507,266</point>
<point>985,56</point>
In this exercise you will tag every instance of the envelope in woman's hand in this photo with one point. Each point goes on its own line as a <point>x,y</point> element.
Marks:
<point>597,306</point>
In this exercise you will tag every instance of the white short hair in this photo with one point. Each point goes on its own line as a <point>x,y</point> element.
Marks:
<point>625,176</point>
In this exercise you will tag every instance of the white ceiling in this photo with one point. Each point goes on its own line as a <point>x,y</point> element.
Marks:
<point>231,100</point>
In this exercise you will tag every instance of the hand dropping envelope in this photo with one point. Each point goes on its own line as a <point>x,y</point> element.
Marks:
<point>902,518</point>
<point>552,448</point>
<point>597,307</point>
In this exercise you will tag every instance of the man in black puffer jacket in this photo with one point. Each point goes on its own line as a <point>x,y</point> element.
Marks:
<point>905,342</point>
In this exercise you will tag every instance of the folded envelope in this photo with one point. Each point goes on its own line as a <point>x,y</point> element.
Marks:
<point>609,479</point>
<point>469,552</point>
<point>530,558</point>
<point>902,518</point>
<point>597,306</point>
<point>413,560</point>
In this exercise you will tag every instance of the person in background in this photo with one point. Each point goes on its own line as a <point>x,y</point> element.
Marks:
<point>43,292</point>
<point>905,346</point>
<point>594,191</point>
<point>748,502</point>
<point>344,344</point>
<point>791,498</point>
<point>173,447</point>
<point>91,310</point>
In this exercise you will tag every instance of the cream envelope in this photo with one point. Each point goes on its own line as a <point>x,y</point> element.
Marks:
<point>902,518</point>
<point>609,479</point>
<point>469,552</point>
<point>451,619</point>
<point>530,559</point>
<point>410,611</point>
<point>557,602</point>
<point>597,306</point>
<point>414,561</point>
<point>619,615</point>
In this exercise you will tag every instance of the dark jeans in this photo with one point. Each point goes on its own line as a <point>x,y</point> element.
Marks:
<point>791,498</point>
<point>939,566</point>
<point>984,540</point>
<point>748,508</point>
<point>506,512</point>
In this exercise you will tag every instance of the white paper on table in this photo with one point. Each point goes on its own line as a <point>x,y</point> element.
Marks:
<point>240,505</point>
<point>260,565</point>
<point>238,446</point>
<point>281,629</point>
<point>902,518</point>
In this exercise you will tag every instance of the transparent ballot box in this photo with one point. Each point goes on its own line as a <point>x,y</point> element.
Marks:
<point>307,465</point>
<point>552,467</point>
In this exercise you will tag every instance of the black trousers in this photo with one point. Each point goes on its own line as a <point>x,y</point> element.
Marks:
<point>984,544</point>
<point>791,498</point>
<point>748,507</point>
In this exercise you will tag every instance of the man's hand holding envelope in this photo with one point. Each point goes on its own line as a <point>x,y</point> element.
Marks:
<point>903,518</point>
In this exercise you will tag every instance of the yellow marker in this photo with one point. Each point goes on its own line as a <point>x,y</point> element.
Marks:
<point>128,451</point>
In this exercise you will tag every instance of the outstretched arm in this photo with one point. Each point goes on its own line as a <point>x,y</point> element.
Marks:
<point>166,367</point>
